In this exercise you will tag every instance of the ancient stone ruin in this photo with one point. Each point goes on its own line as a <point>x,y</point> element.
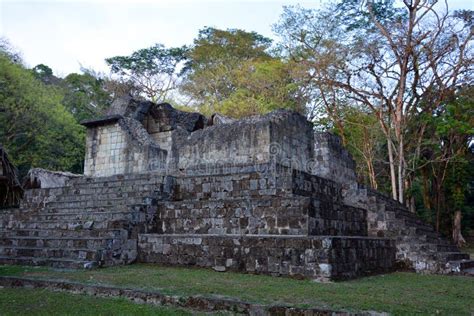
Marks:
<point>265,194</point>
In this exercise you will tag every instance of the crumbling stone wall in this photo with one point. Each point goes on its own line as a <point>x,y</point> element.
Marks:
<point>42,178</point>
<point>177,141</point>
<point>279,137</point>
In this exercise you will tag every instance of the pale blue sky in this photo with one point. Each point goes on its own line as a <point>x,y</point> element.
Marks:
<point>64,34</point>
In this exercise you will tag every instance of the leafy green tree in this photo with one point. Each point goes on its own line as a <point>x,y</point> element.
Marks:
<point>152,70</point>
<point>232,72</point>
<point>45,74</point>
<point>446,162</point>
<point>85,95</point>
<point>35,127</point>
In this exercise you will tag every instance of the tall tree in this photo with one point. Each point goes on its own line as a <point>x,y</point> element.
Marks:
<point>85,95</point>
<point>35,127</point>
<point>446,161</point>
<point>152,70</point>
<point>396,62</point>
<point>232,71</point>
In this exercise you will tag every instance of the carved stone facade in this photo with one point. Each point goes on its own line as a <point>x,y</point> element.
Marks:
<point>260,195</point>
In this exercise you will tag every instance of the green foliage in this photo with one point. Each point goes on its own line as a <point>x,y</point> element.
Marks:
<point>45,74</point>
<point>152,70</point>
<point>85,96</point>
<point>42,71</point>
<point>214,46</point>
<point>457,126</point>
<point>231,72</point>
<point>354,17</point>
<point>36,129</point>
<point>448,162</point>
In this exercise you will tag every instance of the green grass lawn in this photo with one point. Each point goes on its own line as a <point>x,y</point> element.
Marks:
<point>397,293</point>
<point>44,302</point>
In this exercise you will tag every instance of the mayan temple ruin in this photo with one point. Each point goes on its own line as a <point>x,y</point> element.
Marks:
<point>265,194</point>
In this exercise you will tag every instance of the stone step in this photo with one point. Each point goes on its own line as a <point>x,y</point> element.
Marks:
<point>89,184</point>
<point>452,256</point>
<point>52,262</point>
<point>71,193</point>
<point>68,191</point>
<point>104,233</point>
<point>432,233</point>
<point>103,209</point>
<point>460,265</point>
<point>425,239</point>
<point>111,180</point>
<point>424,232</point>
<point>425,249</point>
<point>91,243</point>
<point>410,217</point>
<point>446,248</point>
<point>77,225</point>
<point>438,240</point>
<point>96,203</point>
<point>82,254</point>
<point>469,272</point>
<point>89,216</point>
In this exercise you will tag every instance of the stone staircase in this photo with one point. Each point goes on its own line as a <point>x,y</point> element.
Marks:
<point>428,250</point>
<point>278,222</point>
<point>108,220</point>
<point>419,246</point>
<point>89,222</point>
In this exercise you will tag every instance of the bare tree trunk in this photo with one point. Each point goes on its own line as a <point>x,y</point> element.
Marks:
<point>426,189</point>
<point>372,177</point>
<point>401,171</point>
<point>393,177</point>
<point>412,205</point>
<point>410,200</point>
<point>457,236</point>
<point>439,202</point>
<point>368,153</point>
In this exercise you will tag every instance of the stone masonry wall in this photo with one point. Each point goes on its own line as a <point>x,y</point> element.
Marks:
<point>261,215</point>
<point>105,150</point>
<point>268,202</point>
<point>116,148</point>
<point>237,143</point>
<point>314,257</point>
<point>281,137</point>
<point>291,142</point>
<point>332,160</point>
<point>328,214</point>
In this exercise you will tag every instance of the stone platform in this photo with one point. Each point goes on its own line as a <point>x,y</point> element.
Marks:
<point>321,258</point>
<point>264,194</point>
<point>246,221</point>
